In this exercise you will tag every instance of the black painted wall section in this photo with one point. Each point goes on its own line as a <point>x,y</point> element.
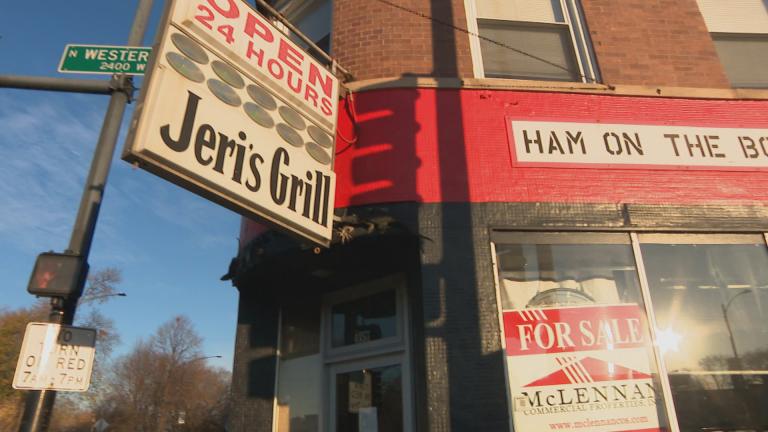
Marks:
<point>457,362</point>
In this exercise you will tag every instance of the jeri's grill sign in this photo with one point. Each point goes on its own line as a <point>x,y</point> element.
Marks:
<point>307,196</point>
<point>236,112</point>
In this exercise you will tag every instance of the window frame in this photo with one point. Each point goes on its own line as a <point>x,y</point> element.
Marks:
<point>738,21</point>
<point>573,18</point>
<point>508,236</point>
<point>333,354</point>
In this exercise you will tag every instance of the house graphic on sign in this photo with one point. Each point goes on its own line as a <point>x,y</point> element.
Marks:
<point>586,370</point>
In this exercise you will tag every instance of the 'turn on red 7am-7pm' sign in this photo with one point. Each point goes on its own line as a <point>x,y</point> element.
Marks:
<point>235,111</point>
<point>581,368</point>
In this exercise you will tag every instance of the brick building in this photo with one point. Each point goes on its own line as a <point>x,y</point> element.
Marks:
<point>549,215</point>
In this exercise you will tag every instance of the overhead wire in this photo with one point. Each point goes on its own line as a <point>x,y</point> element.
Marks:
<point>481,37</point>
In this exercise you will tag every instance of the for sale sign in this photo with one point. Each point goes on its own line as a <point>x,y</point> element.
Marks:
<point>582,368</point>
<point>235,111</point>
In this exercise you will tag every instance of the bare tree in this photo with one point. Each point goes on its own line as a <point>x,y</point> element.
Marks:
<point>101,286</point>
<point>178,340</point>
<point>164,384</point>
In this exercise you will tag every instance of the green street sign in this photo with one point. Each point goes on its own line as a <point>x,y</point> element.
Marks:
<point>104,59</point>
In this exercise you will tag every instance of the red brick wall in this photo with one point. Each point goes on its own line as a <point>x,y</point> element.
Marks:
<point>653,42</point>
<point>376,40</point>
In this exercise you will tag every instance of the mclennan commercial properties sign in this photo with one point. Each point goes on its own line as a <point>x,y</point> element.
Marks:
<point>637,146</point>
<point>234,111</point>
<point>581,368</point>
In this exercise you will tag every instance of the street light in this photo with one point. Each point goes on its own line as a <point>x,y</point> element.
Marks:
<point>201,358</point>
<point>87,299</point>
<point>182,414</point>
<point>724,308</point>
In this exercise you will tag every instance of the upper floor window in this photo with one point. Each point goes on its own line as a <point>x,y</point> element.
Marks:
<point>312,17</point>
<point>739,29</point>
<point>531,39</point>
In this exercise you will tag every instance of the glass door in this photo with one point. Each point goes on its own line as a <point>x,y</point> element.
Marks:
<point>368,396</point>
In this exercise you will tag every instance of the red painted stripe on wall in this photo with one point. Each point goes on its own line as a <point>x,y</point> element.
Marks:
<point>436,145</point>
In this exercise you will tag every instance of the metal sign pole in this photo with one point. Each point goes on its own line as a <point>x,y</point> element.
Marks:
<point>39,404</point>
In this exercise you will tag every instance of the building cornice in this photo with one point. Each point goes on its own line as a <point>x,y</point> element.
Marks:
<point>555,86</point>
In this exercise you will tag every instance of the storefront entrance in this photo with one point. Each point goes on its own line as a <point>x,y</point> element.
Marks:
<point>343,362</point>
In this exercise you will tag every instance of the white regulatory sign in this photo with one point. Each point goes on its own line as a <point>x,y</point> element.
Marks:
<point>55,357</point>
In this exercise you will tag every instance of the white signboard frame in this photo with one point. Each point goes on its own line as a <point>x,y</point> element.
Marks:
<point>636,146</point>
<point>55,357</point>
<point>234,111</point>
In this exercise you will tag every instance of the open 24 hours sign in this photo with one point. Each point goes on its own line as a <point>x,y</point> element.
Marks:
<point>235,111</point>
<point>581,368</point>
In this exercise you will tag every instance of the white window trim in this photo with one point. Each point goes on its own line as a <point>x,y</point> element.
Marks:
<point>474,41</point>
<point>581,41</point>
<point>579,38</point>
<point>277,368</point>
<point>661,367</point>
<point>496,270</point>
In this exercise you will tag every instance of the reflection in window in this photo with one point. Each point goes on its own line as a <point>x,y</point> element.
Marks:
<point>300,368</point>
<point>739,30</point>
<point>551,43</point>
<point>710,297</point>
<point>311,17</point>
<point>548,273</point>
<point>370,399</point>
<point>364,320</point>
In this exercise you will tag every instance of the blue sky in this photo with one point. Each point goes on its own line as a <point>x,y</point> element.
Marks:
<point>171,245</point>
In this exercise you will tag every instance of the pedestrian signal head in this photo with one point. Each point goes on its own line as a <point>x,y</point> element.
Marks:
<point>57,275</point>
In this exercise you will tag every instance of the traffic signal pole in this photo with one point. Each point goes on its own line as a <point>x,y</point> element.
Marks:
<point>39,403</point>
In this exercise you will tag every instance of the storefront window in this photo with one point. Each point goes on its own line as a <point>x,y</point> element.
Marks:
<point>710,298</point>
<point>578,347</point>
<point>364,320</point>
<point>300,370</point>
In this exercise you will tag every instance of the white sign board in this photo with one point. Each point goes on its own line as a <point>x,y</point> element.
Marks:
<point>55,357</point>
<point>585,368</point>
<point>638,146</point>
<point>235,111</point>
